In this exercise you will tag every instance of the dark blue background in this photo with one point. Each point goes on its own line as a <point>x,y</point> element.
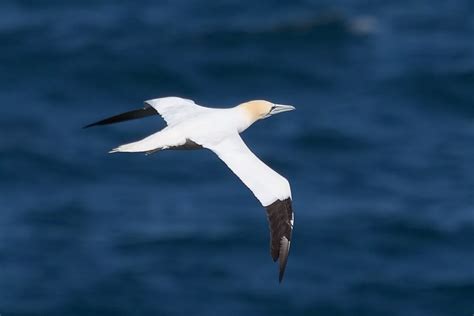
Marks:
<point>379,154</point>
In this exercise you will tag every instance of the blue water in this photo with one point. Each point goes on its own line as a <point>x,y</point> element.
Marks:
<point>379,154</point>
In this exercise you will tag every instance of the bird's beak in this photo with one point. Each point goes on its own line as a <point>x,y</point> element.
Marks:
<point>280,108</point>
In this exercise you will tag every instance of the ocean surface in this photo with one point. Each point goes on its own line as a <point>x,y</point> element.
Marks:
<point>379,153</point>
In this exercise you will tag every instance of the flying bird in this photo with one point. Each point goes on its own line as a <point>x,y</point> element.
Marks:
<point>191,126</point>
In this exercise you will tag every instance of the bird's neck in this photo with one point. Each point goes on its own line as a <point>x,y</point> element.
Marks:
<point>244,120</point>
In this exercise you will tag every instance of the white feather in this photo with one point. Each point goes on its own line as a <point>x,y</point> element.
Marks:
<point>175,110</point>
<point>266,184</point>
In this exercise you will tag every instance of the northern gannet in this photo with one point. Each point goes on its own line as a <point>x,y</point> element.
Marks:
<point>190,126</point>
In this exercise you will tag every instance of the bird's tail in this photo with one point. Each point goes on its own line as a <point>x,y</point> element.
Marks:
<point>135,147</point>
<point>151,144</point>
<point>147,144</point>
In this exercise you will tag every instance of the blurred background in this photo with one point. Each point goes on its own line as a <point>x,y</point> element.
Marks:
<point>379,154</point>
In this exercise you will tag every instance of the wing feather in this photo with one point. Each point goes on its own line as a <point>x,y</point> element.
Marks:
<point>172,109</point>
<point>175,110</point>
<point>280,218</point>
<point>266,184</point>
<point>271,189</point>
<point>127,116</point>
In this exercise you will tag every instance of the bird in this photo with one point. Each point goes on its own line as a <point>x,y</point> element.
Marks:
<point>191,126</point>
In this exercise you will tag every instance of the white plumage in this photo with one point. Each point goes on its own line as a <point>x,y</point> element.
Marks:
<point>267,185</point>
<point>175,110</point>
<point>191,126</point>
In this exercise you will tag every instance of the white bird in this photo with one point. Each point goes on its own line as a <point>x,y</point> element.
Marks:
<point>190,126</point>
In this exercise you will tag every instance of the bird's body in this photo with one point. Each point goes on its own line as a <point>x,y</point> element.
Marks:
<point>205,127</point>
<point>190,126</point>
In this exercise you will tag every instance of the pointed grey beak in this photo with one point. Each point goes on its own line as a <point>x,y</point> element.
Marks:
<point>280,108</point>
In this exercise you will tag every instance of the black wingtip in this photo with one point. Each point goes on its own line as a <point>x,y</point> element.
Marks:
<point>280,217</point>
<point>283,257</point>
<point>282,272</point>
<point>90,125</point>
<point>127,116</point>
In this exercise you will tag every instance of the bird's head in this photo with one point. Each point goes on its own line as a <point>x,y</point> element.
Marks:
<point>261,109</point>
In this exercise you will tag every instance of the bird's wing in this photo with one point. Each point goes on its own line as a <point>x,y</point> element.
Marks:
<point>270,188</point>
<point>175,110</point>
<point>172,109</point>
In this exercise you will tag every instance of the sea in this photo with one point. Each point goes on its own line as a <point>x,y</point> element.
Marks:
<point>379,153</point>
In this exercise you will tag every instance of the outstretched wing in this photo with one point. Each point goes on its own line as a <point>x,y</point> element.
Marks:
<point>172,109</point>
<point>281,218</point>
<point>175,110</point>
<point>270,188</point>
<point>127,116</point>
